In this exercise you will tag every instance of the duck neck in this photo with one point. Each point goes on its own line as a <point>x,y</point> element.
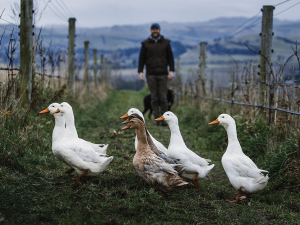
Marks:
<point>233,142</point>
<point>142,140</point>
<point>176,138</point>
<point>59,128</point>
<point>70,125</point>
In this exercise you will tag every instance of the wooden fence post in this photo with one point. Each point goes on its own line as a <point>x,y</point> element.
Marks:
<point>107,72</point>
<point>101,68</point>
<point>178,81</point>
<point>212,83</point>
<point>265,51</point>
<point>71,53</point>
<point>202,65</point>
<point>95,68</point>
<point>26,34</point>
<point>86,65</point>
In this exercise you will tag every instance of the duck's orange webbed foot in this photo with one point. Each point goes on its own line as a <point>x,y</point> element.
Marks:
<point>80,177</point>
<point>238,198</point>
<point>75,183</point>
<point>233,200</point>
<point>69,171</point>
<point>244,197</point>
<point>164,196</point>
<point>196,185</point>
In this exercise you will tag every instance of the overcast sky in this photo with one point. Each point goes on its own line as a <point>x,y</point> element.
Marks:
<point>99,13</point>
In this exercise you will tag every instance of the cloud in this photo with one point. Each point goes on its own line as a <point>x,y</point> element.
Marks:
<point>99,13</point>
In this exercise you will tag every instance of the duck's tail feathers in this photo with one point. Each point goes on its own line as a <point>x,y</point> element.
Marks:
<point>177,181</point>
<point>182,184</point>
<point>179,168</point>
<point>208,160</point>
<point>100,149</point>
<point>104,148</point>
<point>105,164</point>
<point>263,179</point>
<point>204,170</point>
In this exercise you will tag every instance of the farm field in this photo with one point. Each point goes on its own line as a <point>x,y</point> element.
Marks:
<point>35,190</point>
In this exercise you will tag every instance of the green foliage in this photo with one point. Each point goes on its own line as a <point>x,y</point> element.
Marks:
<point>284,151</point>
<point>35,190</point>
<point>255,139</point>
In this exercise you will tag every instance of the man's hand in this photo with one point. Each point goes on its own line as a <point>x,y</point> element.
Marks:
<point>142,77</point>
<point>171,75</point>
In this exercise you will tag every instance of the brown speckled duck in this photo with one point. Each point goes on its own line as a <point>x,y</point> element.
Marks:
<point>152,168</point>
<point>153,146</point>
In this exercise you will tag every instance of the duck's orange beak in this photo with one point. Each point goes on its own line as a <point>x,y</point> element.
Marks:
<point>125,116</point>
<point>56,111</point>
<point>44,111</point>
<point>214,122</point>
<point>160,118</point>
<point>125,128</point>
<point>127,121</point>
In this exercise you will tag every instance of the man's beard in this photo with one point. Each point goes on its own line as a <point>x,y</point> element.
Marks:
<point>155,34</point>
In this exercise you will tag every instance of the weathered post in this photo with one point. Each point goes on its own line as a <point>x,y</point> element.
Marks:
<point>298,144</point>
<point>202,66</point>
<point>26,34</point>
<point>178,80</point>
<point>265,51</point>
<point>106,71</point>
<point>232,93</point>
<point>102,68</point>
<point>212,83</point>
<point>71,53</point>
<point>95,68</point>
<point>86,65</point>
<point>59,59</point>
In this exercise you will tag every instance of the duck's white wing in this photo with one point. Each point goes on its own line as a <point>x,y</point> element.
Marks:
<point>187,154</point>
<point>84,151</point>
<point>100,148</point>
<point>160,146</point>
<point>245,167</point>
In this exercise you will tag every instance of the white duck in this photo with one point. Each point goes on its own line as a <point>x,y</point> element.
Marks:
<point>59,128</point>
<point>196,167</point>
<point>157,143</point>
<point>242,172</point>
<point>76,152</point>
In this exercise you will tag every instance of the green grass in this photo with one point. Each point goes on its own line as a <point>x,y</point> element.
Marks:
<point>35,190</point>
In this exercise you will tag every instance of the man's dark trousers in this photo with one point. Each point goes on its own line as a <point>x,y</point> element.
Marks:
<point>158,86</point>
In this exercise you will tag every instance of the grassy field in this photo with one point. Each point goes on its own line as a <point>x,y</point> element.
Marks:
<point>35,190</point>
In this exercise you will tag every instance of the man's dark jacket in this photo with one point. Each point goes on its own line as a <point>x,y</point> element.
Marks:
<point>157,56</point>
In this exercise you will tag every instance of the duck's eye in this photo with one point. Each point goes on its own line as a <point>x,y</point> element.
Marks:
<point>53,106</point>
<point>222,116</point>
<point>167,114</point>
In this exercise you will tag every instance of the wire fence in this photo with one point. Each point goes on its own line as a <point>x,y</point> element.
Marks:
<point>239,103</point>
<point>50,65</point>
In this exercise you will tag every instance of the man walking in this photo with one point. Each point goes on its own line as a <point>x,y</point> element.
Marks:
<point>157,54</point>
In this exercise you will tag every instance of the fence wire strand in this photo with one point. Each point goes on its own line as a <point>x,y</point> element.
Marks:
<point>238,103</point>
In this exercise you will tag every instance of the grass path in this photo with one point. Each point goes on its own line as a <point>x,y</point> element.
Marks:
<point>36,191</point>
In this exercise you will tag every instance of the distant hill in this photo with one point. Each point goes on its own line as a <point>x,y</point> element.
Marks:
<point>225,51</point>
<point>124,41</point>
<point>130,36</point>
